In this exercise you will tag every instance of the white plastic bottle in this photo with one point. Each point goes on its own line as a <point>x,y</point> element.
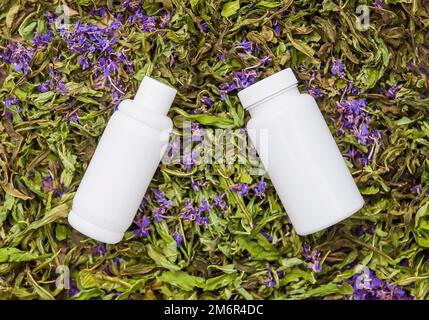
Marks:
<point>126,158</point>
<point>301,156</point>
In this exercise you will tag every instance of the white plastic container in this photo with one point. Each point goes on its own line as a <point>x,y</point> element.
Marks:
<point>301,156</point>
<point>126,158</point>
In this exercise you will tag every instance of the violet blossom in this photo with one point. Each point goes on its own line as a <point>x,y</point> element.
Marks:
<point>178,238</point>
<point>276,26</point>
<point>378,4</point>
<point>73,118</point>
<point>241,80</point>
<point>242,189</point>
<point>190,159</point>
<point>337,68</point>
<point>207,101</point>
<point>99,250</point>
<point>269,280</point>
<point>166,204</point>
<point>260,188</point>
<point>367,286</point>
<point>313,257</point>
<point>9,103</point>
<point>220,202</point>
<point>19,56</point>
<point>197,184</point>
<point>143,227</point>
<point>188,212</point>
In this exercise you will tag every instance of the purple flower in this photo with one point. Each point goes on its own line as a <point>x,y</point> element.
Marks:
<point>166,204</point>
<point>371,229</point>
<point>204,206</point>
<point>416,189</point>
<point>269,279</point>
<point>204,27</point>
<point>160,198</point>
<point>178,238</point>
<point>171,60</point>
<point>207,101</point>
<point>266,235</point>
<point>73,118</point>
<point>44,87</point>
<point>189,159</point>
<point>149,24</point>
<point>56,81</point>
<point>197,133</point>
<point>74,290</point>
<point>220,202</point>
<point>260,188</point>
<point>242,188</point>
<point>247,46</point>
<point>143,227</point>
<point>378,4</point>
<point>94,47</point>
<point>173,150</point>
<point>241,80</point>
<point>202,221</point>
<point>19,56</point>
<point>99,13</point>
<point>337,68</point>
<point>360,231</point>
<point>276,26</point>
<point>393,91</point>
<point>367,286</point>
<point>188,212</point>
<point>264,60</point>
<point>355,119</point>
<point>312,89</point>
<point>313,257</point>
<point>100,250</point>
<point>197,184</point>
<point>47,183</point>
<point>43,39</point>
<point>163,20</point>
<point>9,103</point>
<point>315,92</point>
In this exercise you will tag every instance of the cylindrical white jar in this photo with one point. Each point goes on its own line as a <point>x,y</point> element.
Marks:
<point>301,156</point>
<point>123,164</point>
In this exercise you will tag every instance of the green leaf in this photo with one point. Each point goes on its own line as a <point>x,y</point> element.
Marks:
<point>182,280</point>
<point>16,255</point>
<point>230,8</point>
<point>10,17</point>
<point>403,121</point>
<point>160,259</point>
<point>256,251</point>
<point>61,232</point>
<point>268,4</point>
<point>194,3</point>
<point>370,190</point>
<point>220,281</point>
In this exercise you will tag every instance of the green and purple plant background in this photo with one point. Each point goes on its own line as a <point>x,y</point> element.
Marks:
<point>213,231</point>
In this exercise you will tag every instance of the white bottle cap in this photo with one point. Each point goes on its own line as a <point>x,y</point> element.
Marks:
<point>155,96</point>
<point>267,87</point>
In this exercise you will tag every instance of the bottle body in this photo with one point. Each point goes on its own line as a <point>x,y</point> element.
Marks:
<point>119,173</point>
<point>303,161</point>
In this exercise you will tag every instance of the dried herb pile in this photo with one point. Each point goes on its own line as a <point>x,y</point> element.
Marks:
<point>213,232</point>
